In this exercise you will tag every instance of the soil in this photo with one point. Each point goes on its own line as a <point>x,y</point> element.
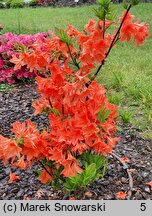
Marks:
<point>15,104</point>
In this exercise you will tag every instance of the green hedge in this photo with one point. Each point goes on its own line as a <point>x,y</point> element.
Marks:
<point>14,3</point>
<point>2,5</point>
<point>33,3</point>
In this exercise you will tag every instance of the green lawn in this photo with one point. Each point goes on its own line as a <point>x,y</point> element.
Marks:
<point>127,73</point>
<point>33,20</point>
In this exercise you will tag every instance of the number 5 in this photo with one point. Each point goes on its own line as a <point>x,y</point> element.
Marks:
<point>143,207</point>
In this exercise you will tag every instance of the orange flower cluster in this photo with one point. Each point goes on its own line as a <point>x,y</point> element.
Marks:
<point>80,116</point>
<point>129,29</point>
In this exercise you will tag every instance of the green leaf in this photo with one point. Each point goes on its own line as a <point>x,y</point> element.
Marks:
<point>112,8</point>
<point>104,164</point>
<point>93,163</point>
<point>62,34</point>
<point>74,182</point>
<point>46,110</point>
<point>22,47</point>
<point>105,10</point>
<point>55,111</point>
<point>15,46</point>
<point>99,13</point>
<point>111,16</point>
<point>103,115</point>
<point>90,174</point>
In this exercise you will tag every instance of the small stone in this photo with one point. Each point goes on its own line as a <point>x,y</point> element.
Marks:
<point>7,170</point>
<point>144,174</point>
<point>138,196</point>
<point>89,194</point>
<point>147,189</point>
<point>105,183</point>
<point>123,180</point>
<point>3,181</point>
<point>20,193</point>
<point>120,168</point>
<point>109,197</point>
<point>1,176</point>
<point>14,190</point>
<point>118,183</point>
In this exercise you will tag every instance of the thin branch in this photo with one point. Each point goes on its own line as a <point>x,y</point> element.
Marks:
<point>50,103</point>
<point>115,39</point>
<point>118,31</point>
<point>45,168</point>
<point>74,61</point>
<point>125,166</point>
<point>62,109</point>
<point>103,33</point>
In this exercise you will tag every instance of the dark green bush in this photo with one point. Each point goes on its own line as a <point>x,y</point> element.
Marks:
<point>33,3</point>
<point>8,3</point>
<point>2,5</point>
<point>17,4</point>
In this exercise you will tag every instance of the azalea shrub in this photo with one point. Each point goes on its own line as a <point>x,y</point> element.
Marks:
<point>73,150</point>
<point>10,46</point>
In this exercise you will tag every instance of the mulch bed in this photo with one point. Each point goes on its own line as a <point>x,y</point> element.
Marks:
<point>16,105</point>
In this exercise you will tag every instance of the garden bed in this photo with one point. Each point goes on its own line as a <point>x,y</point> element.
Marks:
<point>15,104</point>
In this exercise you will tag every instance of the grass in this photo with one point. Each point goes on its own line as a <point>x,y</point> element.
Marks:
<point>33,20</point>
<point>127,73</point>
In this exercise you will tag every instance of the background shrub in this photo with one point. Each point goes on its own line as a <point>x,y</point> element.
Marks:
<point>33,3</point>
<point>17,4</point>
<point>2,5</point>
<point>8,3</point>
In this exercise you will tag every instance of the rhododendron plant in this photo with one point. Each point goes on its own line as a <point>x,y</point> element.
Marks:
<point>73,150</point>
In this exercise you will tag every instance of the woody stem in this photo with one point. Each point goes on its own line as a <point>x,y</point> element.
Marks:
<point>115,39</point>
<point>74,61</point>
<point>45,168</point>
<point>103,33</point>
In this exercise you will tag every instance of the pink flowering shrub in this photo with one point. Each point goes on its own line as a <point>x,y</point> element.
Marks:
<point>11,45</point>
<point>46,2</point>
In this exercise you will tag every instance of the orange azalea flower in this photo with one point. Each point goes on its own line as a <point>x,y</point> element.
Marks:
<point>136,30</point>
<point>13,177</point>
<point>30,153</point>
<point>112,141</point>
<point>45,177</point>
<point>40,104</point>
<point>71,167</point>
<point>125,159</point>
<point>72,198</point>
<point>20,163</point>
<point>17,61</point>
<point>11,150</point>
<point>18,129</point>
<point>121,195</point>
<point>72,32</point>
<point>3,142</point>
<point>141,32</point>
<point>102,148</point>
<point>150,184</point>
<point>107,23</point>
<point>56,154</point>
<point>90,26</point>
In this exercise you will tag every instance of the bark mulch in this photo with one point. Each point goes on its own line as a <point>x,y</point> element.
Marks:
<point>15,104</point>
